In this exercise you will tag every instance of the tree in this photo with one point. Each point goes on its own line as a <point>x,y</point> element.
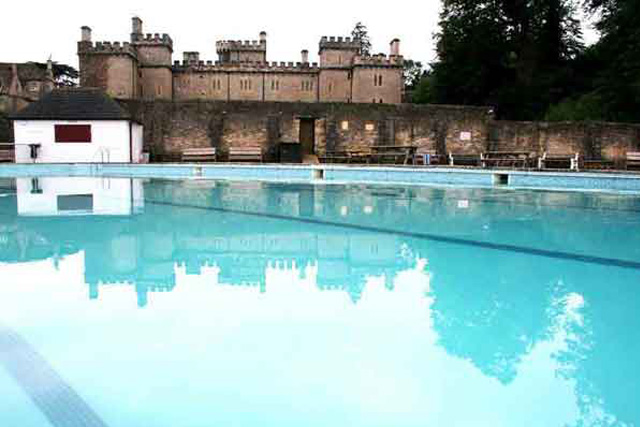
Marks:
<point>361,34</point>
<point>412,73</point>
<point>422,92</point>
<point>64,75</point>
<point>617,83</point>
<point>512,54</point>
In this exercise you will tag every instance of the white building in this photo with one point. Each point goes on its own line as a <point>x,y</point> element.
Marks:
<point>78,125</point>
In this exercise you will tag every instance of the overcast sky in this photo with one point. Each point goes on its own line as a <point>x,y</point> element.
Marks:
<point>36,30</point>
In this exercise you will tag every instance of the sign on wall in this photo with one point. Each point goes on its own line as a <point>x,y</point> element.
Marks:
<point>465,136</point>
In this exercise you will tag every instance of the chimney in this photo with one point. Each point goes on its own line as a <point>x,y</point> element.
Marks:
<point>305,56</point>
<point>50,83</point>
<point>136,29</point>
<point>86,34</point>
<point>263,37</point>
<point>395,47</point>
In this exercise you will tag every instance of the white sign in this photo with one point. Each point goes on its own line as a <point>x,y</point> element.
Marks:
<point>465,136</point>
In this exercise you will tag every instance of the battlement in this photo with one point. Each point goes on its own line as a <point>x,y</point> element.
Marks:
<point>343,43</point>
<point>153,40</point>
<point>107,48</point>
<point>237,45</point>
<point>219,66</point>
<point>380,60</point>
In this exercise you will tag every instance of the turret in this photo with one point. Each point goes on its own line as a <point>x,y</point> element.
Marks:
<point>243,51</point>
<point>304,56</point>
<point>338,52</point>
<point>191,58</point>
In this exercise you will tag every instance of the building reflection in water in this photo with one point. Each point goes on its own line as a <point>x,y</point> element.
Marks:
<point>483,306</point>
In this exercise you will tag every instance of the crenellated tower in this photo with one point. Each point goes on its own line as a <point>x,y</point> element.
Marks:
<point>140,68</point>
<point>111,66</point>
<point>336,62</point>
<point>154,62</point>
<point>231,51</point>
<point>379,78</point>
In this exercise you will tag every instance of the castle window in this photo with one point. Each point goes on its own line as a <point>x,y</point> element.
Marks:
<point>159,90</point>
<point>330,87</point>
<point>369,127</point>
<point>344,125</point>
<point>380,80</point>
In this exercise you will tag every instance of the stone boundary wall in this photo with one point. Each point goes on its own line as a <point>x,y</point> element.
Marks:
<point>594,140</point>
<point>170,127</point>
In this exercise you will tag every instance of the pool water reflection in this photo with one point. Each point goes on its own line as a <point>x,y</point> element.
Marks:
<point>200,303</point>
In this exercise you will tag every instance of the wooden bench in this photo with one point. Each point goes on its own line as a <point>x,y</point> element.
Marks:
<point>7,156</point>
<point>547,161</point>
<point>199,155</point>
<point>633,159</point>
<point>245,154</point>
<point>335,157</point>
<point>512,159</point>
<point>464,159</point>
<point>598,164</point>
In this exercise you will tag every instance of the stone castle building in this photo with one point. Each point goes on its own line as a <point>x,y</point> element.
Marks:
<point>143,69</point>
<point>21,84</point>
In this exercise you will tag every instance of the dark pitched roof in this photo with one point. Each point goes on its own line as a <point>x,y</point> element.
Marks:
<point>74,104</point>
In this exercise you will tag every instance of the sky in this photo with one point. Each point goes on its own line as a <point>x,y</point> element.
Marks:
<point>42,29</point>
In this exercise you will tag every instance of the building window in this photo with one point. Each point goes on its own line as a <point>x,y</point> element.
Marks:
<point>369,127</point>
<point>344,125</point>
<point>275,85</point>
<point>159,90</point>
<point>330,87</point>
<point>72,133</point>
<point>377,79</point>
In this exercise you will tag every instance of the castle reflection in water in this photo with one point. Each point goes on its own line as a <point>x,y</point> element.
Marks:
<point>493,294</point>
<point>195,226</point>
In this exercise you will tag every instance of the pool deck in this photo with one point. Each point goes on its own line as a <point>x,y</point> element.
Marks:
<point>402,175</point>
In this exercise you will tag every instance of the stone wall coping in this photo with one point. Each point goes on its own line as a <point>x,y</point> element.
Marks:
<point>605,181</point>
<point>211,66</point>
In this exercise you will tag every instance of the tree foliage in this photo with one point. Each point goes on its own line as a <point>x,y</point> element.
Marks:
<point>64,75</point>
<point>515,55</point>
<point>361,34</point>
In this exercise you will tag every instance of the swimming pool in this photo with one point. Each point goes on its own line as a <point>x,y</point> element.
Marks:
<point>148,302</point>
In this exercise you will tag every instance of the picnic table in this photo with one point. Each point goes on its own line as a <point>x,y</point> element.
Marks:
<point>505,158</point>
<point>396,153</point>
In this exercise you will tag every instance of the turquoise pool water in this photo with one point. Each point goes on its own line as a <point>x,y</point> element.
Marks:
<point>127,302</point>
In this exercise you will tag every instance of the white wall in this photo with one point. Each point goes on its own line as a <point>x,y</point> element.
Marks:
<point>111,196</point>
<point>109,142</point>
<point>137,141</point>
